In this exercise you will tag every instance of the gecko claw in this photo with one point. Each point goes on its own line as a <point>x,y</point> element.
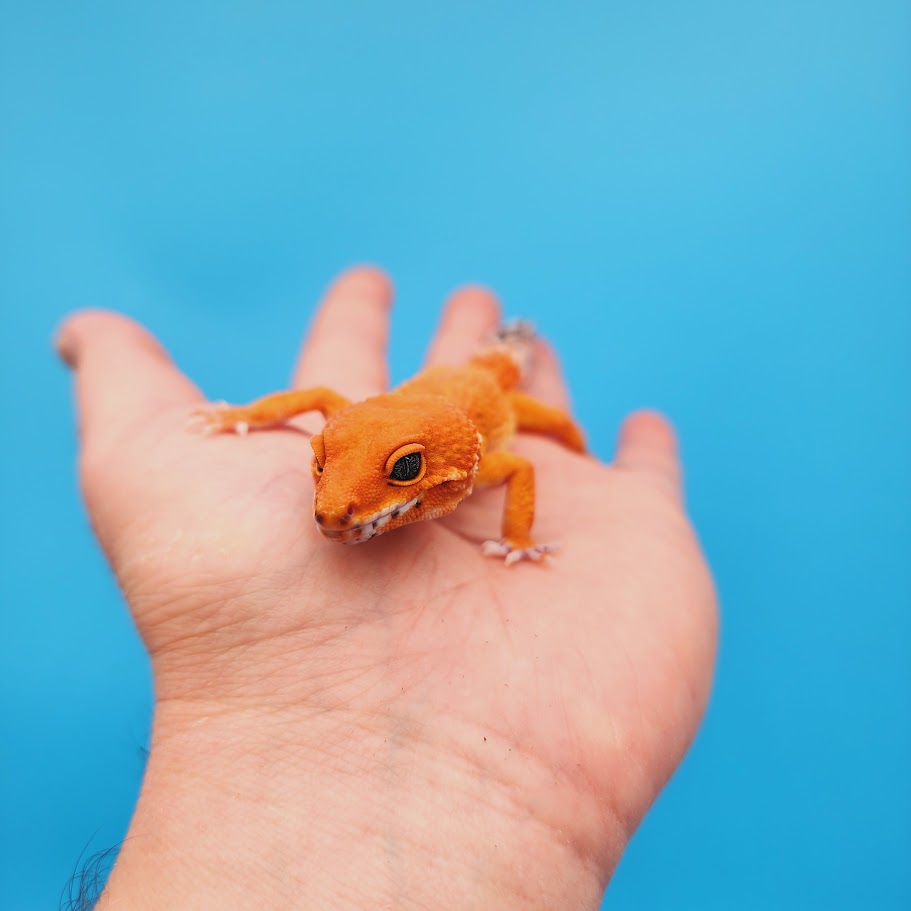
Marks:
<point>513,554</point>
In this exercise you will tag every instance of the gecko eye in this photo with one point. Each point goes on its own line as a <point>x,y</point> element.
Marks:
<point>319,452</point>
<point>407,468</point>
<point>406,465</point>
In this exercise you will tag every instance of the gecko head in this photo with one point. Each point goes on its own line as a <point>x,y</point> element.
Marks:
<point>390,460</point>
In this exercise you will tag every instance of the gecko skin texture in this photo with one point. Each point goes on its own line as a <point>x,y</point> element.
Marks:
<point>418,451</point>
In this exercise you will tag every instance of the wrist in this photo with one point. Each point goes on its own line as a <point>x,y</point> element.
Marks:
<point>340,809</point>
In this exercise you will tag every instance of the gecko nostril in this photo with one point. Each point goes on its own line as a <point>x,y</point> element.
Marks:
<point>349,512</point>
<point>319,518</point>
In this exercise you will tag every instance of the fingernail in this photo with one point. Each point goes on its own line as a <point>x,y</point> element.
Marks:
<point>66,346</point>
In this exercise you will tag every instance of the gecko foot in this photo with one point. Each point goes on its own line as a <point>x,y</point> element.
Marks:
<point>219,417</point>
<point>516,332</point>
<point>518,336</point>
<point>513,553</point>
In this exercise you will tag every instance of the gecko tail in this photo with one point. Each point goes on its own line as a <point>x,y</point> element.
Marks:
<point>509,352</point>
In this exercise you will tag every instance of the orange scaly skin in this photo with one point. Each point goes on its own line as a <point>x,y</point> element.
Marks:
<point>447,429</point>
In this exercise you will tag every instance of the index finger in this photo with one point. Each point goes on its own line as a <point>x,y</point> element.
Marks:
<point>346,345</point>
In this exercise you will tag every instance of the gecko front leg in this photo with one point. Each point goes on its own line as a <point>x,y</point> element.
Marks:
<point>518,474</point>
<point>270,411</point>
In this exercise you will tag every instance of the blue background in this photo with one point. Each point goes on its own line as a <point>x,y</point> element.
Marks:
<point>706,205</point>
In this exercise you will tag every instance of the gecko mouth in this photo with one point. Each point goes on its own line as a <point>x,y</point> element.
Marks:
<point>370,528</point>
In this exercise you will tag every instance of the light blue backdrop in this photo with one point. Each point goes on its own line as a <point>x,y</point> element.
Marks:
<point>707,205</point>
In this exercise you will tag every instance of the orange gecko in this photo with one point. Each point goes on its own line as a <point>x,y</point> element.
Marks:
<point>418,451</point>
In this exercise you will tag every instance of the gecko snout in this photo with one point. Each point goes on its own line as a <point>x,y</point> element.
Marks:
<point>333,520</point>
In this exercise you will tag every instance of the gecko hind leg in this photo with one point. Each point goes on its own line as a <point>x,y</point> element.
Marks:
<point>533,416</point>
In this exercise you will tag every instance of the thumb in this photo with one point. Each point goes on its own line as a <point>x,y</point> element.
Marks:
<point>123,374</point>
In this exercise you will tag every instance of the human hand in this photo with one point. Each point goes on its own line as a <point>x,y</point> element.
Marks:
<point>406,723</point>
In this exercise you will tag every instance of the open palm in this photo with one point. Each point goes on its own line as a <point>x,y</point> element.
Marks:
<point>577,684</point>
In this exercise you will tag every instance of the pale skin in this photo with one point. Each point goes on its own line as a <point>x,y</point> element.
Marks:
<point>399,725</point>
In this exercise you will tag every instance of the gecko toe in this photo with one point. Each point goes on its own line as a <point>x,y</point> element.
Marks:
<point>511,553</point>
<point>215,418</point>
